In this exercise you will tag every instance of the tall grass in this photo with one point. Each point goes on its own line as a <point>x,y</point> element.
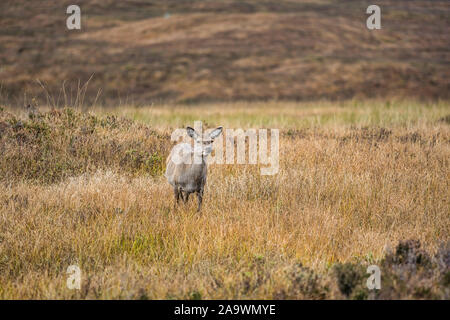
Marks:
<point>355,179</point>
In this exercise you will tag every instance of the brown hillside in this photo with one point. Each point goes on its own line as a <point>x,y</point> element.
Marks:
<point>146,51</point>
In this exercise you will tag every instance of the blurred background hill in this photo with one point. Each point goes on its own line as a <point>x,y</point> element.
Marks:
<point>140,52</point>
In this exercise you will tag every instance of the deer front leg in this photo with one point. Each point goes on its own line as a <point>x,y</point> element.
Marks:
<point>186,197</point>
<point>176,192</point>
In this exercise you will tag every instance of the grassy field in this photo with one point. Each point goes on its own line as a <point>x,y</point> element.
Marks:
<point>357,179</point>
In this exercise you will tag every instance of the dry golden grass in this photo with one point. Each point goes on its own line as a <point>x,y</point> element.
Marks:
<point>353,180</point>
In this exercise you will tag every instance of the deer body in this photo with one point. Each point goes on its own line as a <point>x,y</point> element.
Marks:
<point>186,167</point>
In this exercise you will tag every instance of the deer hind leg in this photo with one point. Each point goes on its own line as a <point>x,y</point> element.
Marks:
<point>182,195</point>
<point>200,199</point>
<point>176,192</point>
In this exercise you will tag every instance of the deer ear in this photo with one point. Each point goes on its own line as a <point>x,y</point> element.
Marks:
<point>191,132</point>
<point>216,132</point>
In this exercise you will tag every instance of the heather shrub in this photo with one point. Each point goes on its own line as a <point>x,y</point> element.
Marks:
<point>47,147</point>
<point>409,272</point>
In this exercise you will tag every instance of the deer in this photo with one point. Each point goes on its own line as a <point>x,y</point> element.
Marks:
<point>186,167</point>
